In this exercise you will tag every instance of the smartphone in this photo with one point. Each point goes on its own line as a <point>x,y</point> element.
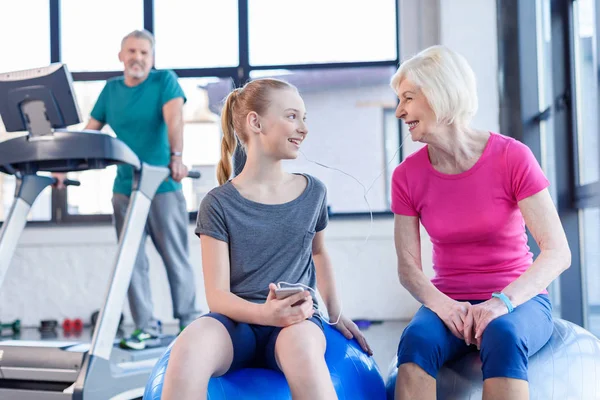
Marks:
<point>283,293</point>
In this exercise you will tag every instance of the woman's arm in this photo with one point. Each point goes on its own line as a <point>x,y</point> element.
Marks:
<point>407,240</point>
<point>544,224</point>
<point>215,266</point>
<point>408,249</point>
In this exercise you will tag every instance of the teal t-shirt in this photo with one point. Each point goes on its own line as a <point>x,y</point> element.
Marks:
<point>135,115</point>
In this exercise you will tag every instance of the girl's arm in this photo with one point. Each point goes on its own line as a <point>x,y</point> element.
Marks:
<point>215,266</point>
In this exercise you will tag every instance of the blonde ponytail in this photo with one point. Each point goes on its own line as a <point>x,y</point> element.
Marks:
<point>229,142</point>
<point>255,96</point>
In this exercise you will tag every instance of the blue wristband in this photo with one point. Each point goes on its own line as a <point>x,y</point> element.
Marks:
<point>505,300</point>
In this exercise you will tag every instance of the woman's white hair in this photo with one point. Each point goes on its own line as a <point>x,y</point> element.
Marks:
<point>447,81</point>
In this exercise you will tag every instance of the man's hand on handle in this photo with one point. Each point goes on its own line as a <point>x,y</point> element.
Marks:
<point>60,177</point>
<point>178,170</point>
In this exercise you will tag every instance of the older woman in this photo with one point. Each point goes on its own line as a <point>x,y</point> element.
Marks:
<point>474,192</point>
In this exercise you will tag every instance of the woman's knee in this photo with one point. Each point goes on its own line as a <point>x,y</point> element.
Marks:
<point>419,341</point>
<point>501,336</point>
<point>424,334</point>
<point>418,353</point>
<point>504,351</point>
<point>415,337</point>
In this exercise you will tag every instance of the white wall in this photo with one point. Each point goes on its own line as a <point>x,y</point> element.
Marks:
<point>349,138</point>
<point>62,272</point>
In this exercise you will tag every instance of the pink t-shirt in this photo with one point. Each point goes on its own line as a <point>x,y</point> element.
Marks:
<point>473,219</point>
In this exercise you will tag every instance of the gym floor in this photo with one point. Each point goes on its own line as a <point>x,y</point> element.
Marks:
<point>383,339</point>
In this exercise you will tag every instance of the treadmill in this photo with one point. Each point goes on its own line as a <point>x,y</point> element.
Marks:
<point>40,104</point>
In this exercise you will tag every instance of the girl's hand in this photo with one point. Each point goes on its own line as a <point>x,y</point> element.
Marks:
<point>283,313</point>
<point>350,330</point>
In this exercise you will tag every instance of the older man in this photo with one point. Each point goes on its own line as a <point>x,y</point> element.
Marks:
<point>144,108</point>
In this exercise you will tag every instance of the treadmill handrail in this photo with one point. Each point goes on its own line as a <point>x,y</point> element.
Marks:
<point>107,323</point>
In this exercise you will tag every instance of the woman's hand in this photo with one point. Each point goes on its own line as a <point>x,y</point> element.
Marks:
<point>350,330</point>
<point>478,318</point>
<point>283,313</point>
<point>453,314</point>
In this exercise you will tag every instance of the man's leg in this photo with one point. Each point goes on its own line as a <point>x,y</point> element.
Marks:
<point>139,295</point>
<point>168,225</point>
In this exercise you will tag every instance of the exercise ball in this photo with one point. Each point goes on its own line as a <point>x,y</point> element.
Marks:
<point>567,367</point>
<point>354,374</point>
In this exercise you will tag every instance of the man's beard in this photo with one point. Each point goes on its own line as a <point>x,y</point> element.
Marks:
<point>137,74</point>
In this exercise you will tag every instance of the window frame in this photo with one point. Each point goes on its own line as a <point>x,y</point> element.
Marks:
<point>238,74</point>
<point>586,195</point>
<point>520,117</point>
<point>259,65</point>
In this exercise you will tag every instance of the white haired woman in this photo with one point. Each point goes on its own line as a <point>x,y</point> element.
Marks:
<point>474,192</point>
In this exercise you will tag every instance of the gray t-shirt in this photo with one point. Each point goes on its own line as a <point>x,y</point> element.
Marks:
<point>267,243</point>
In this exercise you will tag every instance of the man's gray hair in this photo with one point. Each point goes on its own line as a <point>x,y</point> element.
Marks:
<point>140,34</point>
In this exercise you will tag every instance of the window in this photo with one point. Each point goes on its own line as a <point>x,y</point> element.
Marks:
<point>202,146</point>
<point>590,222</point>
<point>393,152</point>
<point>204,39</point>
<point>347,131</point>
<point>316,31</point>
<point>545,101</point>
<point>198,34</point>
<point>91,32</point>
<point>41,210</point>
<point>545,92</point>
<point>94,194</point>
<point>24,52</point>
<point>586,90</point>
<point>202,134</point>
<point>20,47</point>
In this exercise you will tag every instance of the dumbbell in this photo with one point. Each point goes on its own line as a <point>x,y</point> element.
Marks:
<point>48,326</point>
<point>15,326</point>
<point>95,315</point>
<point>72,325</point>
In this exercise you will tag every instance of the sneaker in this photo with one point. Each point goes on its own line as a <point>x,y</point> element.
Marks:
<point>139,340</point>
<point>155,326</point>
